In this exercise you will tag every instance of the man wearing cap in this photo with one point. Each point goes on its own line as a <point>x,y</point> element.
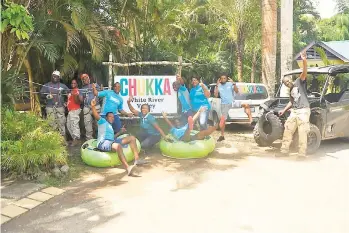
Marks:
<point>54,92</point>
<point>113,102</point>
<point>86,95</point>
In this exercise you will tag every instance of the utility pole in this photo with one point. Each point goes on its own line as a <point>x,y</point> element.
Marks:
<point>286,35</point>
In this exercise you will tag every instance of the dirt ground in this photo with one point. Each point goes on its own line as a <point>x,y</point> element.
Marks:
<point>239,188</point>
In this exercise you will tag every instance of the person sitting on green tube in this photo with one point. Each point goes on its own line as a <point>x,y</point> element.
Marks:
<point>182,133</point>
<point>107,141</point>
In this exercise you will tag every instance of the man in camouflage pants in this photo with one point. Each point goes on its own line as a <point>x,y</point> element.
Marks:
<point>86,95</point>
<point>300,112</point>
<point>53,92</point>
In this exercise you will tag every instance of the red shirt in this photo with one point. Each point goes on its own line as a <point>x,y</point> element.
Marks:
<point>72,105</point>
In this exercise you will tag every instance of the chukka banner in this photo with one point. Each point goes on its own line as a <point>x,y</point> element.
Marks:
<point>157,91</point>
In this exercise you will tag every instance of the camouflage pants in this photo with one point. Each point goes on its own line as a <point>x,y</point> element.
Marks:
<point>89,122</point>
<point>57,117</point>
<point>299,118</point>
<point>73,123</point>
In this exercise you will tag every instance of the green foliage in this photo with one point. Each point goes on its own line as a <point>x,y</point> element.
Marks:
<point>10,88</point>
<point>29,145</point>
<point>16,19</point>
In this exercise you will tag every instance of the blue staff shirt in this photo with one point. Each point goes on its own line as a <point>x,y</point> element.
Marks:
<point>112,103</point>
<point>198,98</point>
<point>183,96</point>
<point>226,91</point>
<point>147,123</point>
<point>105,130</point>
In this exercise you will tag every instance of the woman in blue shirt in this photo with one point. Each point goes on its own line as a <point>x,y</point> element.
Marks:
<point>199,95</point>
<point>151,132</point>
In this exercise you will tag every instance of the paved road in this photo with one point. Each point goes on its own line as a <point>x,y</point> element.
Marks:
<point>240,188</point>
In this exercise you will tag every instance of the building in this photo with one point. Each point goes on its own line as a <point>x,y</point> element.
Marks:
<point>337,52</point>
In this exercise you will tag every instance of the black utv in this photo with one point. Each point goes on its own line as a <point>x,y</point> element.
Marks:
<point>328,95</point>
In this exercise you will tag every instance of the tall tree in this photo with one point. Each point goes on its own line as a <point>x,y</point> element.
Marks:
<point>269,39</point>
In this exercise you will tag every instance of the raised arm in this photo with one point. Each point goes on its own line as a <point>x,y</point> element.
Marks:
<point>94,89</point>
<point>164,114</point>
<point>94,110</point>
<point>205,90</point>
<point>303,75</point>
<point>76,97</point>
<point>236,89</point>
<point>180,79</point>
<point>134,111</point>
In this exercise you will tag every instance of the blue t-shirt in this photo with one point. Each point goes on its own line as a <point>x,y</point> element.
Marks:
<point>147,122</point>
<point>226,91</point>
<point>178,133</point>
<point>112,102</point>
<point>87,94</point>
<point>183,96</point>
<point>198,98</point>
<point>105,131</point>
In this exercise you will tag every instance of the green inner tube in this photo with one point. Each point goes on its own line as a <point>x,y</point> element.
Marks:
<point>96,158</point>
<point>187,150</point>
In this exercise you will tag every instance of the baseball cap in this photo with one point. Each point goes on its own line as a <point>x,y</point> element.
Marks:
<point>56,72</point>
<point>82,76</point>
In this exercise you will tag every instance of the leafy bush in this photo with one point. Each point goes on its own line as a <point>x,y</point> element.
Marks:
<point>29,146</point>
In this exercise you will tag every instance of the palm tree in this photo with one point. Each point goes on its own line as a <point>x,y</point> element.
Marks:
<point>269,39</point>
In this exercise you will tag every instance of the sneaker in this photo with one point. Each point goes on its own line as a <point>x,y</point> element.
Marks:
<point>221,138</point>
<point>129,170</point>
<point>190,123</point>
<point>140,162</point>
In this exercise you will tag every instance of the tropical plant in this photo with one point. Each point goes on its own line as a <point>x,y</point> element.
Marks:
<point>29,145</point>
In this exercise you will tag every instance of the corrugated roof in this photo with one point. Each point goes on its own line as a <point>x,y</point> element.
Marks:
<point>337,48</point>
<point>340,47</point>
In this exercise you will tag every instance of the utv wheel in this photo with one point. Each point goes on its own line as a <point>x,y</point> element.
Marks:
<point>259,140</point>
<point>268,129</point>
<point>314,139</point>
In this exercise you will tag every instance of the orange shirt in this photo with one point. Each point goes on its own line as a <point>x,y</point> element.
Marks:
<point>72,105</point>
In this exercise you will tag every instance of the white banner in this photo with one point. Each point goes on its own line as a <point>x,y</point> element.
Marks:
<point>157,91</point>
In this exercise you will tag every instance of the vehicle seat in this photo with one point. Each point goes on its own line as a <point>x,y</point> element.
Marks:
<point>332,97</point>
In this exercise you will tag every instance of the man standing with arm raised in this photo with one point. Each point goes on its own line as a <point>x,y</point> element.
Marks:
<point>226,88</point>
<point>300,111</point>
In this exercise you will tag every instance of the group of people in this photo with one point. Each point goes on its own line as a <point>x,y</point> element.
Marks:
<point>195,106</point>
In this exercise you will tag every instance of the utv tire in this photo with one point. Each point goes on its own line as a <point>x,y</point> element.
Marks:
<point>314,140</point>
<point>268,129</point>
<point>259,140</point>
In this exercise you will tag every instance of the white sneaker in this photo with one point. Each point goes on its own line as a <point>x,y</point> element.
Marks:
<point>129,170</point>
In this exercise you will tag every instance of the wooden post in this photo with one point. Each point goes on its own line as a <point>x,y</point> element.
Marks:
<point>179,69</point>
<point>110,70</point>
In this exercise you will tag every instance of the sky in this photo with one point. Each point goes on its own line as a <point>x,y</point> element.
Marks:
<point>326,8</point>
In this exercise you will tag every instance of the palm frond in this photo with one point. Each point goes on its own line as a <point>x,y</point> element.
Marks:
<point>70,65</point>
<point>48,49</point>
